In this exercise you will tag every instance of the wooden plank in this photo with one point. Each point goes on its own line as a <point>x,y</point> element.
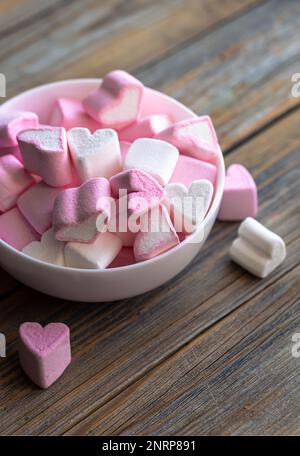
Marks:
<point>237,378</point>
<point>239,73</point>
<point>77,42</point>
<point>114,345</point>
<point>7,284</point>
<point>17,13</point>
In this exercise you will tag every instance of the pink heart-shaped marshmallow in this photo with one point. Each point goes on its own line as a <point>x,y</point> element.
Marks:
<point>78,211</point>
<point>239,199</point>
<point>44,352</point>
<point>45,152</point>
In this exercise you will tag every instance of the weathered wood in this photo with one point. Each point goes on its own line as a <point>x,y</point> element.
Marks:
<point>15,14</point>
<point>239,73</point>
<point>127,339</point>
<point>157,363</point>
<point>76,40</point>
<point>7,284</point>
<point>224,381</point>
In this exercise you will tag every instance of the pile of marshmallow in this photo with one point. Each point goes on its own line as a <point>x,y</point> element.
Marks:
<point>69,189</point>
<point>102,186</point>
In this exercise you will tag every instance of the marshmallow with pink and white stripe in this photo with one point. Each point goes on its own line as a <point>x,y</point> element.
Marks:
<point>157,234</point>
<point>14,180</point>
<point>146,127</point>
<point>12,123</point>
<point>95,155</point>
<point>117,102</point>
<point>78,212</point>
<point>195,137</point>
<point>45,153</point>
<point>69,113</point>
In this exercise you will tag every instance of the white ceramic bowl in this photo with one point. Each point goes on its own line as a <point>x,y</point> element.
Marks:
<point>110,284</point>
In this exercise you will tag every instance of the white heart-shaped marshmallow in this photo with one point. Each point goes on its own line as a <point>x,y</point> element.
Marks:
<point>97,255</point>
<point>188,206</point>
<point>257,249</point>
<point>95,155</point>
<point>48,249</point>
<point>200,130</point>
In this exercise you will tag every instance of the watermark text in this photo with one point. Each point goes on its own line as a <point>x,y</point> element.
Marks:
<point>2,346</point>
<point>296,86</point>
<point>2,86</point>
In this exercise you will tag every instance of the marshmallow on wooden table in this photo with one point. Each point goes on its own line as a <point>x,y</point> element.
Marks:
<point>189,169</point>
<point>12,123</point>
<point>124,148</point>
<point>117,102</point>
<point>157,234</point>
<point>69,113</point>
<point>239,198</point>
<point>36,204</point>
<point>188,206</point>
<point>96,255</point>
<point>124,258</point>
<point>45,153</point>
<point>79,211</point>
<point>14,180</point>
<point>15,230</point>
<point>48,249</point>
<point>156,157</point>
<point>195,137</point>
<point>257,249</point>
<point>95,155</point>
<point>146,127</point>
<point>44,353</point>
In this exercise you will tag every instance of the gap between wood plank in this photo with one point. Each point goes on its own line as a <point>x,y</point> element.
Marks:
<point>190,342</point>
<point>202,34</point>
<point>261,129</point>
<point>167,357</point>
<point>262,323</point>
<point>30,20</point>
<point>156,375</point>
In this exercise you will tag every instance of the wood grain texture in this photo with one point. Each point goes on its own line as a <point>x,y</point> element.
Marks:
<point>127,339</point>
<point>209,352</point>
<point>220,382</point>
<point>76,41</point>
<point>239,73</point>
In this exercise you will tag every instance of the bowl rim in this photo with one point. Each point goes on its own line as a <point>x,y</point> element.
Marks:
<point>188,240</point>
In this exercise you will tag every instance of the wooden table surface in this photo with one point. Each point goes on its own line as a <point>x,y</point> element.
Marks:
<point>209,353</point>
